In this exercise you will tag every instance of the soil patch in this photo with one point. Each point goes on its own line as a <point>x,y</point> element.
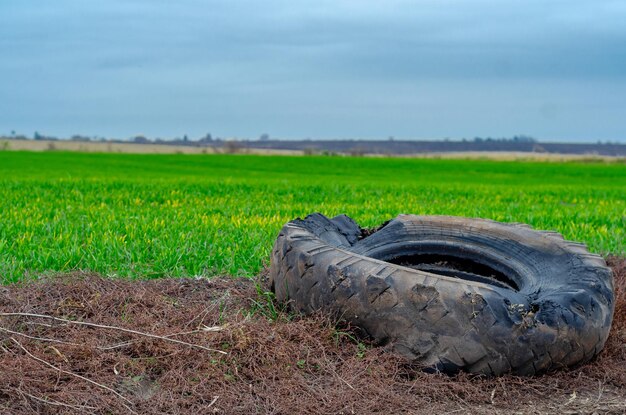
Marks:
<point>274,363</point>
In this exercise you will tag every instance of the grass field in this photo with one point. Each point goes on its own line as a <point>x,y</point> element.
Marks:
<point>147,216</point>
<point>178,215</point>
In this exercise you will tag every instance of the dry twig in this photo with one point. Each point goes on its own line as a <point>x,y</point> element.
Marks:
<point>103,326</point>
<point>48,401</point>
<point>42,339</point>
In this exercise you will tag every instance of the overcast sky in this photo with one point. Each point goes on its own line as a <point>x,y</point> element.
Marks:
<point>555,70</point>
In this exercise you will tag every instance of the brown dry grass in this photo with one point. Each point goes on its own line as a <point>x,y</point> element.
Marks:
<point>154,148</point>
<point>132,148</point>
<point>292,365</point>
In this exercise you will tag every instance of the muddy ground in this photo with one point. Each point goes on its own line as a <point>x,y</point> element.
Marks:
<point>274,362</point>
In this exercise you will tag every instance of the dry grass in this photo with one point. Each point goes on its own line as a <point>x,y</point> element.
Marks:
<point>290,365</point>
<point>517,156</point>
<point>232,147</point>
<point>129,148</point>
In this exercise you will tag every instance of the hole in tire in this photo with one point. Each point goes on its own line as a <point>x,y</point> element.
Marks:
<point>456,267</point>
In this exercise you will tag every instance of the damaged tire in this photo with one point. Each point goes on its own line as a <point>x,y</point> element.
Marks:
<point>453,294</point>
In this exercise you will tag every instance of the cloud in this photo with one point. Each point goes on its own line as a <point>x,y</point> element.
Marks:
<point>239,66</point>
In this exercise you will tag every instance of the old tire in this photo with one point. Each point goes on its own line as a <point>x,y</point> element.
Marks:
<point>451,293</point>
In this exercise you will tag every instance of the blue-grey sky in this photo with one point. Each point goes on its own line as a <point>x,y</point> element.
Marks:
<point>555,70</point>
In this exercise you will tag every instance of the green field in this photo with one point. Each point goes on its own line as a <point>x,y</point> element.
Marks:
<point>178,215</point>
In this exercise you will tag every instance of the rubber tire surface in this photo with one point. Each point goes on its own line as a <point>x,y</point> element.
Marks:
<point>558,314</point>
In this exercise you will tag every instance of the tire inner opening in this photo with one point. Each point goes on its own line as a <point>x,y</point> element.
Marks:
<point>456,267</point>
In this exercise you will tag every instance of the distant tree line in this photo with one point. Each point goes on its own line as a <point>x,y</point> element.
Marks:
<point>514,139</point>
<point>356,147</point>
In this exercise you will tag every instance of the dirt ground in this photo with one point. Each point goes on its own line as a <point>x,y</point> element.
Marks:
<point>189,346</point>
